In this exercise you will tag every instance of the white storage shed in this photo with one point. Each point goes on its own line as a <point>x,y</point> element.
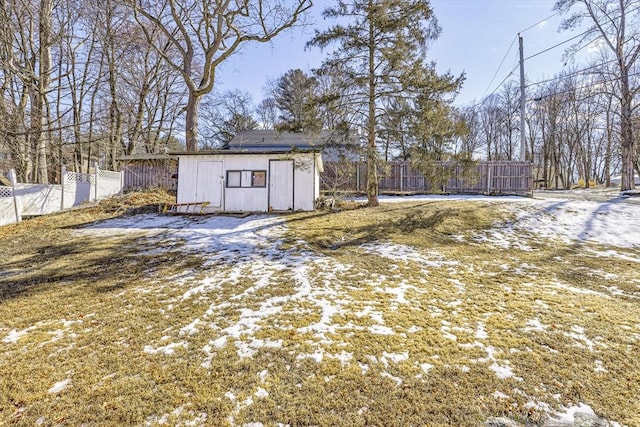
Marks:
<point>249,181</point>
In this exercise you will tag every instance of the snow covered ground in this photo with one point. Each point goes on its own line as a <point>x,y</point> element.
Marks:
<point>234,249</point>
<point>252,245</point>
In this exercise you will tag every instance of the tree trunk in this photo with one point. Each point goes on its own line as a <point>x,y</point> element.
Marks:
<point>626,128</point>
<point>42,172</point>
<point>608,150</point>
<point>191,121</point>
<point>372,153</point>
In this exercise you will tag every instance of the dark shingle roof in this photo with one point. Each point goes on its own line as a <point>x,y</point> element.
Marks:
<point>274,139</point>
<point>334,146</point>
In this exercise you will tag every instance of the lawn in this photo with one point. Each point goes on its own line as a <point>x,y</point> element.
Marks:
<point>435,311</point>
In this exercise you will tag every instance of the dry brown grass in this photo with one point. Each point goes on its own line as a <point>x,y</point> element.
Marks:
<point>102,311</point>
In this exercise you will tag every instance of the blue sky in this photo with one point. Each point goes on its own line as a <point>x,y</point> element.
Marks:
<point>476,35</point>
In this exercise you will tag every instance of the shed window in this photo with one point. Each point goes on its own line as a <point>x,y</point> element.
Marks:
<point>259,178</point>
<point>246,179</point>
<point>233,178</point>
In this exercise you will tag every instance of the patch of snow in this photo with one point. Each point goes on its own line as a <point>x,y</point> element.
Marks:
<point>458,284</point>
<point>343,357</point>
<point>395,379</point>
<point>575,290</point>
<point>541,406</point>
<point>261,393</point>
<point>499,395</point>
<point>399,292</point>
<point>481,333</point>
<point>191,328</point>
<point>599,367</point>
<point>229,395</point>
<point>502,372</point>
<point>405,253</point>
<point>220,342</point>
<point>535,325</point>
<point>15,335</point>
<point>60,386</point>
<point>578,334</point>
<point>426,367</point>
<point>607,223</point>
<point>568,415</point>
<point>167,349</point>
<point>381,330</point>
<point>445,332</point>
<point>318,355</point>
<point>396,357</point>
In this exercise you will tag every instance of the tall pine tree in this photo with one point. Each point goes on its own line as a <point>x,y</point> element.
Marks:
<point>382,47</point>
<point>294,94</point>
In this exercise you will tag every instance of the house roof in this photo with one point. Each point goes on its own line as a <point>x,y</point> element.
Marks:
<point>277,140</point>
<point>263,151</point>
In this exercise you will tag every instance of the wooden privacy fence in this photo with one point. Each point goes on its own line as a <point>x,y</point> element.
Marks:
<point>484,177</point>
<point>150,173</point>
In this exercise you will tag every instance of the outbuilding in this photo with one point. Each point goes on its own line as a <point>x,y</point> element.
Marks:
<point>249,181</point>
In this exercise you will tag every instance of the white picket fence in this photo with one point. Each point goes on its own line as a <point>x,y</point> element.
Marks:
<point>38,199</point>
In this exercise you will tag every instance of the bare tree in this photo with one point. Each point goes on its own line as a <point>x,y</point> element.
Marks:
<point>225,115</point>
<point>204,34</point>
<point>615,23</point>
<point>267,112</point>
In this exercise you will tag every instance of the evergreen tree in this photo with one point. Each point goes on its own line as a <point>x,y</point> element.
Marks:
<point>294,95</point>
<point>381,49</point>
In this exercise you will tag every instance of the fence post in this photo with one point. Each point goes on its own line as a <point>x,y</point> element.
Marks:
<point>489,177</point>
<point>95,181</point>
<point>401,177</point>
<point>13,178</point>
<point>63,179</point>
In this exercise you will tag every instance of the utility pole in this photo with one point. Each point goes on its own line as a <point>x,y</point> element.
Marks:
<point>523,145</point>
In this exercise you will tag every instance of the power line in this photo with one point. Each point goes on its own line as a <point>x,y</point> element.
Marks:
<point>499,66</point>
<point>597,83</point>
<point>540,22</point>
<point>594,28</point>
<point>499,85</point>
<point>564,76</point>
<point>560,44</point>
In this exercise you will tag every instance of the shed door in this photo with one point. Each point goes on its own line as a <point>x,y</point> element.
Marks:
<point>281,185</point>
<point>209,183</point>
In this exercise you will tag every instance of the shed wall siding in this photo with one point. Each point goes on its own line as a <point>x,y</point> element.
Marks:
<point>304,189</point>
<point>187,175</point>
<point>253,199</point>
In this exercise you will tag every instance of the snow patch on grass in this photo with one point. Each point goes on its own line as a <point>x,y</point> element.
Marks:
<point>396,252</point>
<point>14,336</point>
<point>167,349</point>
<point>60,386</point>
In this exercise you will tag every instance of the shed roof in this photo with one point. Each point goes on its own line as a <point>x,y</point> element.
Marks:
<point>147,156</point>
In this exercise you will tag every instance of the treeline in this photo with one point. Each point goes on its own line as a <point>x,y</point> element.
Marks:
<point>80,83</point>
<point>89,80</point>
<point>92,80</point>
<point>572,127</point>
